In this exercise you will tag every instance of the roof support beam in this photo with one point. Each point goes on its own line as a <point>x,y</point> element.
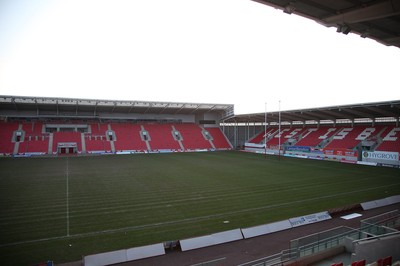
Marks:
<point>380,10</point>
<point>358,113</point>
<point>15,104</point>
<point>57,108</point>
<point>383,112</point>
<point>163,109</point>
<point>194,110</point>
<point>148,108</point>
<point>180,109</point>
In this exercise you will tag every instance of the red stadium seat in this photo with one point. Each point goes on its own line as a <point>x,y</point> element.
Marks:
<point>128,137</point>
<point>390,140</point>
<point>192,136</point>
<point>161,137</point>
<point>219,139</point>
<point>387,261</point>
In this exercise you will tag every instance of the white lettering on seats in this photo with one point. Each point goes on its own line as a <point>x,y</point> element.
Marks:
<point>343,133</point>
<point>293,133</point>
<point>280,133</point>
<point>270,133</point>
<point>309,131</point>
<point>327,133</point>
<point>391,136</point>
<point>366,133</point>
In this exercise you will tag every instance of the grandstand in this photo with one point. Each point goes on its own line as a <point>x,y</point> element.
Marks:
<point>336,132</point>
<point>53,126</point>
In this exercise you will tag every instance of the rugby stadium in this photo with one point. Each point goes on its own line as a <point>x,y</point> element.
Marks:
<point>125,182</point>
<point>101,182</point>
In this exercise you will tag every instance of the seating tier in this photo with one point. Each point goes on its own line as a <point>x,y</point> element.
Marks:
<point>313,136</point>
<point>192,136</point>
<point>128,137</point>
<point>6,134</point>
<point>349,137</point>
<point>219,139</point>
<point>161,137</point>
<point>390,140</point>
<point>285,134</point>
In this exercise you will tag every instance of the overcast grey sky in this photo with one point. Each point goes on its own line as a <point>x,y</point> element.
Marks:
<point>210,51</point>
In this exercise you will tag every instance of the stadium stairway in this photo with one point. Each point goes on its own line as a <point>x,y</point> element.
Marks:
<point>220,141</point>
<point>192,136</point>
<point>180,138</point>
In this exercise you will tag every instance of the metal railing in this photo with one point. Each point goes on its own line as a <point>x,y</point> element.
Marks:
<point>276,259</point>
<point>371,228</point>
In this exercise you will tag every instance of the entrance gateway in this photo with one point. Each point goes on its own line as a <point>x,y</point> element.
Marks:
<point>67,148</point>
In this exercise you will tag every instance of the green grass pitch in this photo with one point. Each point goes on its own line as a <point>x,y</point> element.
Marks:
<point>63,208</point>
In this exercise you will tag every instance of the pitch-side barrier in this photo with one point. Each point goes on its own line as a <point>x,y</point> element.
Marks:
<point>124,255</point>
<point>210,240</point>
<point>380,203</point>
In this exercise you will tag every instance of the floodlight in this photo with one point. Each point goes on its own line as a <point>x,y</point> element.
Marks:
<point>365,34</point>
<point>346,29</point>
<point>289,8</point>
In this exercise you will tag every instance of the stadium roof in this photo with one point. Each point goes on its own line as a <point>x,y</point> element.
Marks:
<point>368,112</point>
<point>375,19</point>
<point>44,106</point>
<point>19,106</point>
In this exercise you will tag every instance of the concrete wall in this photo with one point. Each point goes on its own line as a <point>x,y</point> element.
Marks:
<point>372,250</point>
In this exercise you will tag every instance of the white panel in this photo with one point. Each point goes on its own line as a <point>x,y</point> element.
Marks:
<point>393,199</point>
<point>381,202</point>
<point>279,226</point>
<point>266,229</point>
<point>197,242</point>
<point>256,231</point>
<point>145,252</point>
<point>351,216</point>
<point>210,240</point>
<point>106,258</point>
<point>227,236</point>
<point>368,205</point>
